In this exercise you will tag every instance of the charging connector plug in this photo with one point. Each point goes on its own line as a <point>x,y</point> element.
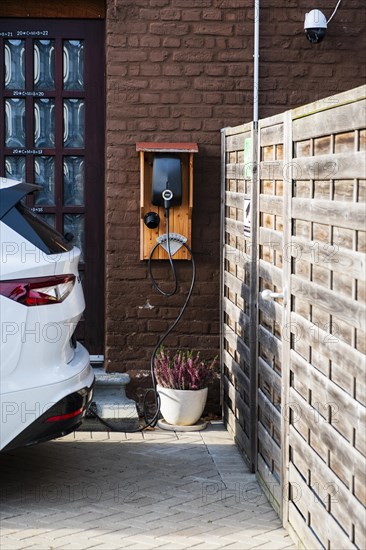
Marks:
<point>167,196</point>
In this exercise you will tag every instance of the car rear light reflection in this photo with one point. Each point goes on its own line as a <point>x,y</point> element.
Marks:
<point>38,291</point>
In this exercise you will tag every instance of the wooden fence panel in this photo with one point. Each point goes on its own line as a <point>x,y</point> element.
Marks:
<point>294,368</point>
<point>328,324</point>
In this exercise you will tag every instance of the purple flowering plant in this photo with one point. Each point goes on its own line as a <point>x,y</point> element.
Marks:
<point>182,371</point>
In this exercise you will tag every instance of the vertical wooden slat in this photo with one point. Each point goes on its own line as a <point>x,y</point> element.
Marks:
<point>142,201</point>
<point>237,255</point>
<point>190,198</point>
<point>270,222</point>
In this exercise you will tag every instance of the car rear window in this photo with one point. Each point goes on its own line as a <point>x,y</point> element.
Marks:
<point>35,230</point>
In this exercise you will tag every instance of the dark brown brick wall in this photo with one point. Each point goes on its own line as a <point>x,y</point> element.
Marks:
<point>179,70</point>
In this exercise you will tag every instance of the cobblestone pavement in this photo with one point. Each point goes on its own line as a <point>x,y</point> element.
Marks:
<point>158,489</point>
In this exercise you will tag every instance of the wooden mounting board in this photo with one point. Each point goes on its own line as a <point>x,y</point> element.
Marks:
<point>180,217</point>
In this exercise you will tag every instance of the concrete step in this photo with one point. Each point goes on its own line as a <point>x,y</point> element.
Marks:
<point>111,403</point>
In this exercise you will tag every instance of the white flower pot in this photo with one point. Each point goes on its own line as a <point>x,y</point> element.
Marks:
<point>182,407</point>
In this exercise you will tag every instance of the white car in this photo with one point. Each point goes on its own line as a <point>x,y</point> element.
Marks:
<point>46,381</point>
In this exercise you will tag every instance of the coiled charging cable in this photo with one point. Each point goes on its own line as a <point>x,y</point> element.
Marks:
<point>172,267</point>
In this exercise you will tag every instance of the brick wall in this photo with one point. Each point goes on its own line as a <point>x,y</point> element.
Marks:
<point>294,72</point>
<point>179,70</point>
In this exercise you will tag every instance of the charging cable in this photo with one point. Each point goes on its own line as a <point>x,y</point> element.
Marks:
<point>152,422</point>
<point>149,267</point>
<point>170,329</point>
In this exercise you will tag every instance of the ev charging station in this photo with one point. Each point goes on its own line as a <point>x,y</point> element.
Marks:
<point>164,168</point>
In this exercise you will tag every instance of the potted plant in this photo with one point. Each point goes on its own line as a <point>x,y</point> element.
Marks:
<point>182,385</point>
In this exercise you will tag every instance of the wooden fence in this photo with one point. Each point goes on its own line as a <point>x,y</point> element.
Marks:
<point>293,312</point>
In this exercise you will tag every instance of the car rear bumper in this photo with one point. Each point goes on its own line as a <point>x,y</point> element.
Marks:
<point>62,418</point>
<point>24,401</point>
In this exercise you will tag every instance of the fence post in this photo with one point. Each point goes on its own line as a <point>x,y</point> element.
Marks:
<point>222,262</point>
<point>253,309</point>
<point>286,339</point>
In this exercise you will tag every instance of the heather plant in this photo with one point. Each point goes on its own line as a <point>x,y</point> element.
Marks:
<point>182,371</point>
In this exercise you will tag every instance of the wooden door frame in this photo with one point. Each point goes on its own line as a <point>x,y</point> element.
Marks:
<point>84,9</point>
<point>93,150</point>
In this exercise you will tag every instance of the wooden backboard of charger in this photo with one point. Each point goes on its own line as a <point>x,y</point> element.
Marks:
<point>180,216</point>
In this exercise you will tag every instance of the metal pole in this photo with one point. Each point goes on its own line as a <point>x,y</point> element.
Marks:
<point>256,63</point>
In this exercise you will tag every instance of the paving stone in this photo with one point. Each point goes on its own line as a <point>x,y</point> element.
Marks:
<point>177,545</point>
<point>8,543</point>
<point>81,436</point>
<point>142,490</point>
<point>75,545</point>
<point>242,545</point>
<point>273,545</point>
<point>100,436</point>
<point>30,534</point>
<point>117,436</point>
<point>206,546</point>
<point>43,542</point>
<point>131,436</point>
<point>157,435</point>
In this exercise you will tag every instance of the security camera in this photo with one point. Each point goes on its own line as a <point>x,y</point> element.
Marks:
<point>315,26</point>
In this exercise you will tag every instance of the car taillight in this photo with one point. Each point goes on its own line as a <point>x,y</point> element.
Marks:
<point>66,416</point>
<point>38,291</point>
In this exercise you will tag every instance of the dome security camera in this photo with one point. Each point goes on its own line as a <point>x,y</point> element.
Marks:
<point>315,26</point>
